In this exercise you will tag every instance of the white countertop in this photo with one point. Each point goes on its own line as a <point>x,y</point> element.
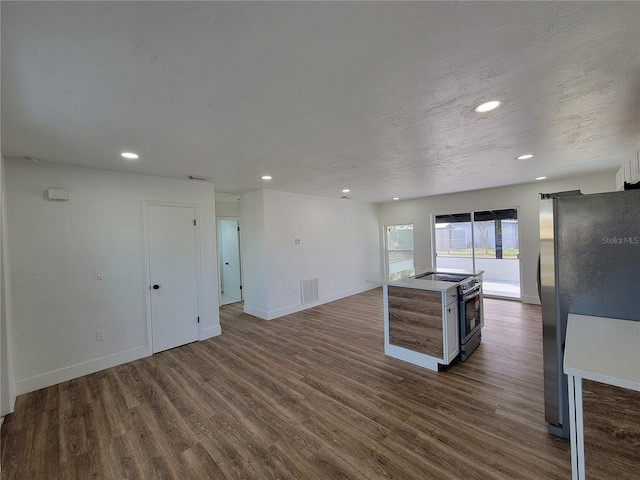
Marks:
<point>603,349</point>
<point>403,279</point>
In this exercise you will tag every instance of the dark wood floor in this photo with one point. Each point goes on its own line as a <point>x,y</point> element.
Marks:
<point>311,395</point>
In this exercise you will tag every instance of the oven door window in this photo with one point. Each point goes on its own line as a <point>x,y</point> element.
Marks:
<point>471,315</point>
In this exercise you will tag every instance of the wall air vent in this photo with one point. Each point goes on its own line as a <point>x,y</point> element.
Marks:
<point>309,290</point>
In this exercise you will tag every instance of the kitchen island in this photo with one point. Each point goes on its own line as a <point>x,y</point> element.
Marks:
<point>421,319</point>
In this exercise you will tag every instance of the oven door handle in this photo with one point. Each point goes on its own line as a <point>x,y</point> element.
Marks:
<point>473,293</point>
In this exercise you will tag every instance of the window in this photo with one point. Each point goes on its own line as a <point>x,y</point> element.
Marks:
<point>399,248</point>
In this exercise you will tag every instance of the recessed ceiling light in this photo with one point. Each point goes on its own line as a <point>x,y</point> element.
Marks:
<point>130,155</point>
<point>396,198</point>
<point>345,190</point>
<point>526,156</point>
<point>541,178</point>
<point>267,177</point>
<point>487,106</point>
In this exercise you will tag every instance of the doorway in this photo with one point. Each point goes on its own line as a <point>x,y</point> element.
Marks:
<point>173,275</point>
<point>484,240</point>
<point>229,261</point>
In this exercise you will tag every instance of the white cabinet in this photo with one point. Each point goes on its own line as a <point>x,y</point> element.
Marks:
<point>452,326</point>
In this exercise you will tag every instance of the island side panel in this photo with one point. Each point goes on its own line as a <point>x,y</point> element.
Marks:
<point>415,320</point>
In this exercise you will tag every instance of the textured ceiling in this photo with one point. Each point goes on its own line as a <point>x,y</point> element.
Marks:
<point>376,97</point>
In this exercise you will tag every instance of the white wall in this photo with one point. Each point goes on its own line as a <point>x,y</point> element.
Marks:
<point>339,244</point>
<point>55,248</point>
<point>228,208</point>
<point>254,255</point>
<point>524,197</point>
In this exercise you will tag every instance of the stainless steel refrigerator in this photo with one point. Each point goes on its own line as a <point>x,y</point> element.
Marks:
<point>589,264</point>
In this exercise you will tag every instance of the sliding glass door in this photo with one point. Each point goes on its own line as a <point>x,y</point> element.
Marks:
<point>454,241</point>
<point>485,240</point>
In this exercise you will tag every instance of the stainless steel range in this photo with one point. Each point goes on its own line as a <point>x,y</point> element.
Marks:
<point>470,301</point>
<point>471,315</point>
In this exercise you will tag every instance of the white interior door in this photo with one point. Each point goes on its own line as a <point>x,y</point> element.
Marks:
<point>173,274</point>
<point>230,277</point>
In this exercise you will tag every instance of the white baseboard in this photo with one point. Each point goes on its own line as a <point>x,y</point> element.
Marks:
<point>211,332</point>
<point>272,314</point>
<point>416,358</point>
<point>256,312</point>
<point>74,371</point>
<point>532,299</point>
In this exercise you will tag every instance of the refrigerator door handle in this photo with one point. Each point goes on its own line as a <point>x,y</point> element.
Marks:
<point>538,280</point>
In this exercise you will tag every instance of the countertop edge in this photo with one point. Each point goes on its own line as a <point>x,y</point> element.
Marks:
<point>415,283</point>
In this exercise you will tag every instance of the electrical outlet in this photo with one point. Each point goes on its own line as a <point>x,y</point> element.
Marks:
<point>99,335</point>
<point>98,274</point>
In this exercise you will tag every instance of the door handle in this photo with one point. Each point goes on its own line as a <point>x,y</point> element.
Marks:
<point>156,286</point>
<point>226,263</point>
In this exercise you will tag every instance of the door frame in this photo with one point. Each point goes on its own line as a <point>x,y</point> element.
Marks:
<point>147,263</point>
<point>239,220</point>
